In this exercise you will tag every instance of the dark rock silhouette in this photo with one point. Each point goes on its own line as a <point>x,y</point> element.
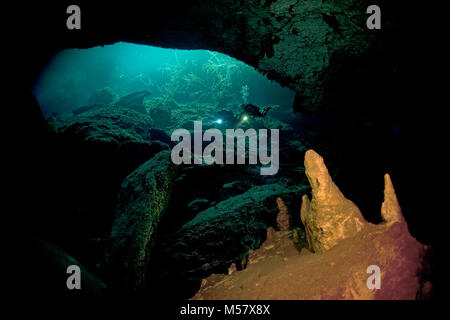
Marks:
<point>51,263</point>
<point>134,101</point>
<point>143,199</point>
<point>92,153</point>
<point>225,231</point>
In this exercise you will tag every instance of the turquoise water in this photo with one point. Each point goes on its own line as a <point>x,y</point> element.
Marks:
<point>195,77</point>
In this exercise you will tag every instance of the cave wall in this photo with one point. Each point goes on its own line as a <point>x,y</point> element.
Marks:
<point>320,49</point>
<point>293,42</point>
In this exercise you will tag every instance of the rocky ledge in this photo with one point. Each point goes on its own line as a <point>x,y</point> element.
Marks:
<point>344,249</point>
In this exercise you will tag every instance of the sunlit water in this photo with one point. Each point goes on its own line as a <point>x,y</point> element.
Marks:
<point>184,76</point>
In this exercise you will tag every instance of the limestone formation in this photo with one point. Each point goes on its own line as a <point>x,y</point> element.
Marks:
<point>142,201</point>
<point>270,234</point>
<point>390,209</point>
<point>232,268</point>
<point>283,215</point>
<point>278,271</point>
<point>106,124</point>
<point>345,245</point>
<point>329,217</point>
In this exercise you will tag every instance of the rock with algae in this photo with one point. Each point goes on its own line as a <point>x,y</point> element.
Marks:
<point>134,101</point>
<point>142,201</point>
<point>222,234</point>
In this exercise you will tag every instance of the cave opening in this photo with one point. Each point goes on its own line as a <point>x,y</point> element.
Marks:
<point>111,108</point>
<point>74,78</point>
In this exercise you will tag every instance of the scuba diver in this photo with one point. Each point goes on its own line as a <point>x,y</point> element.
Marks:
<point>254,110</point>
<point>228,118</point>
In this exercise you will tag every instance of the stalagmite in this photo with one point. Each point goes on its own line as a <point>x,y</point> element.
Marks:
<point>332,221</point>
<point>329,217</point>
<point>390,209</point>
<point>283,215</point>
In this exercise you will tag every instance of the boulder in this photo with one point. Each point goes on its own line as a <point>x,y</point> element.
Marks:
<point>162,115</point>
<point>198,205</point>
<point>143,199</point>
<point>160,135</point>
<point>107,124</point>
<point>134,101</point>
<point>93,152</point>
<point>104,95</point>
<point>224,233</point>
<point>234,188</point>
<point>218,183</point>
<point>87,108</point>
